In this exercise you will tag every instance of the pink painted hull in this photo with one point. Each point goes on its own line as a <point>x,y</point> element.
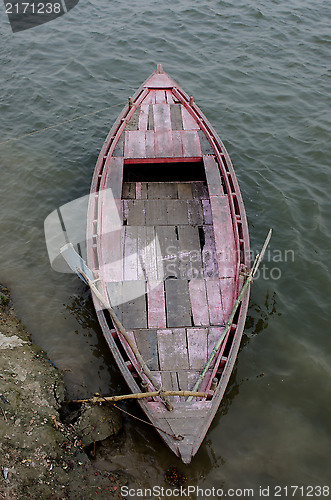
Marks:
<point>170,261</point>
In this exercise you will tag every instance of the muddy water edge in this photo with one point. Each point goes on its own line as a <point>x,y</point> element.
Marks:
<point>47,447</point>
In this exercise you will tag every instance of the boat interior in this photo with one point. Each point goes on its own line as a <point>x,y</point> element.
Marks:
<point>167,276</point>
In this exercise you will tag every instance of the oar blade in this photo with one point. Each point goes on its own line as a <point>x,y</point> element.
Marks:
<point>75,261</point>
<point>261,254</point>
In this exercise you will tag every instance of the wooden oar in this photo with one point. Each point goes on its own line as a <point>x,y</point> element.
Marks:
<point>79,266</point>
<point>227,327</point>
<point>139,395</point>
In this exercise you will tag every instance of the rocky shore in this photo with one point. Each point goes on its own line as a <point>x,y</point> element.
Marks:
<point>45,445</point>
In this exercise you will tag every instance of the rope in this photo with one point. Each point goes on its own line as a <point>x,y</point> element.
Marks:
<point>178,438</point>
<point>61,123</point>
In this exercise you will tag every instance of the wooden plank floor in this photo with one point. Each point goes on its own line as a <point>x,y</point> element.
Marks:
<point>161,127</point>
<point>172,298</point>
<point>168,243</point>
<point>169,263</point>
<point>175,356</point>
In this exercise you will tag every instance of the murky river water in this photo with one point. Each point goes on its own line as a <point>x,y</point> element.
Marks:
<point>259,71</point>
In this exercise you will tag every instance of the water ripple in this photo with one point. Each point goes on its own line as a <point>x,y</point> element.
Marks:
<point>260,73</point>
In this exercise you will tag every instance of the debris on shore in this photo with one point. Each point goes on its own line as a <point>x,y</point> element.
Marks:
<point>44,448</point>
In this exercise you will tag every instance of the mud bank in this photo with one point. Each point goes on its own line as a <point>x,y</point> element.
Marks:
<point>44,449</point>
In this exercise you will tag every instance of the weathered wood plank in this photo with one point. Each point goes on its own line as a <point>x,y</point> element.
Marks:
<point>187,426</point>
<point>141,257</point>
<point>167,381</point>
<point>199,305</point>
<point>162,120</point>
<point>111,262</point>
<point>184,190</point>
<point>187,379</point>
<point>162,127</point>
<point>178,308</point>
<point>228,295</point>
<point>195,213</point>
<point>130,261</point>
<point>143,117</point>
<point>176,211</point>
<point>182,380</point>
<point>147,256</point>
<point>110,236</point>
<point>180,348</point>
<point>207,215</point>
<point>168,248</point>
<point>114,179</point>
<point>156,213</point>
<point>213,176</point>
<point>162,190</point>
<point>115,297</point>
<point>144,190</point>
<point>160,97</point>
<point>206,147</point>
<point>150,120</point>
<point>111,221</point>
<point>163,423</point>
<point>177,143</point>
<point>150,143</point>
<point>133,122</point>
<point>151,254</point>
<point>191,409</point>
<point>134,211</point>
<point>165,347</point>
<point>161,81</point>
<point>174,382</point>
<point>163,144</point>
<point>216,313</point>
<point>146,341</point>
<point>134,313</point>
<point>224,236</point>
<point>190,263</point>
<point>138,190</point>
<point>176,117</point>
<point>129,190</point>
<point>172,348</point>
<point>191,144</point>
<point>135,144</point>
<point>119,147</point>
<point>209,258</point>
<point>200,190</point>
<point>156,305</point>
<point>189,122</point>
<point>197,347</point>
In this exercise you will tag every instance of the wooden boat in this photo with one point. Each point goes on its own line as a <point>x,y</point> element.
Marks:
<point>167,238</point>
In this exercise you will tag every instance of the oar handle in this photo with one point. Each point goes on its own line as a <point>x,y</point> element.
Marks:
<point>260,256</point>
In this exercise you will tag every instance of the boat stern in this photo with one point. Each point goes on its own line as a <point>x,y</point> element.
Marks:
<point>185,451</point>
